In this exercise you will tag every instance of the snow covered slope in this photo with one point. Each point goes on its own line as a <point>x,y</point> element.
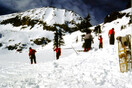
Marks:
<point>98,68</point>
<point>48,15</point>
<point>20,30</point>
<point>122,26</point>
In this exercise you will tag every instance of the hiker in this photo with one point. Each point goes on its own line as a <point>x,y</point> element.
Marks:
<point>88,40</point>
<point>32,55</point>
<point>58,52</point>
<point>111,35</point>
<point>100,41</point>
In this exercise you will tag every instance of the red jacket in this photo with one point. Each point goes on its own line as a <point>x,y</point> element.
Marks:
<point>100,40</point>
<point>57,50</point>
<point>111,31</point>
<point>32,52</point>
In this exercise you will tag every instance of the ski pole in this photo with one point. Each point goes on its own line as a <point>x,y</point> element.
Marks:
<point>74,50</point>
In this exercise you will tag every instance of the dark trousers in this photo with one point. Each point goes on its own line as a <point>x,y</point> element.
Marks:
<point>100,45</point>
<point>33,58</point>
<point>57,55</point>
<point>87,45</point>
<point>112,39</point>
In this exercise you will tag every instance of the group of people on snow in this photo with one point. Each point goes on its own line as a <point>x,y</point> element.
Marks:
<point>88,38</point>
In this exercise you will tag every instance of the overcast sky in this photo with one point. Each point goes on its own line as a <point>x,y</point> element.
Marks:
<point>97,9</point>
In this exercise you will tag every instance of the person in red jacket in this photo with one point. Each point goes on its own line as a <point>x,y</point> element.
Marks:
<point>32,55</point>
<point>58,52</point>
<point>111,35</point>
<point>100,41</point>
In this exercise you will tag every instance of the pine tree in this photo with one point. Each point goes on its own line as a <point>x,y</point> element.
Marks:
<point>85,24</point>
<point>87,21</point>
<point>58,39</point>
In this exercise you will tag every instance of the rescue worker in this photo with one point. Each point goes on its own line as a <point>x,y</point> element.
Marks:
<point>32,55</point>
<point>111,35</point>
<point>58,52</point>
<point>100,41</point>
<point>88,40</point>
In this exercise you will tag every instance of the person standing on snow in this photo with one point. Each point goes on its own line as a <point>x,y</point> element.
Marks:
<point>100,41</point>
<point>111,35</point>
<point>58,52</point>
<point>32,55</point>
<point>88,40</point>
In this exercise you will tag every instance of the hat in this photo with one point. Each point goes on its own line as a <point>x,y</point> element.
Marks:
<point>30,48</point>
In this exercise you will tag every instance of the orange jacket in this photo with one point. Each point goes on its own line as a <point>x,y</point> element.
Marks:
<point>32,52</point>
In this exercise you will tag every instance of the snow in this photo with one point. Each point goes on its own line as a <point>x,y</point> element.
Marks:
<point>98,68</point>
<point>47,14</point>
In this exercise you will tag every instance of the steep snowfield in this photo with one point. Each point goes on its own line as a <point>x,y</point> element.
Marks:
<point>98,68</point>
<point>47,14</point>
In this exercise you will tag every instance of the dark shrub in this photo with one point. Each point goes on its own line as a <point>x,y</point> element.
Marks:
<point>12,47</point>
<point>41,41</point>
<point>0,44</point>
<point>97,29</point>
<point>14,21</point>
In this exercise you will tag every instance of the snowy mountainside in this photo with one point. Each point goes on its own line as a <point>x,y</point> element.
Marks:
<point>48,15</point>
<point>20,30</point>
<point>98,68</point>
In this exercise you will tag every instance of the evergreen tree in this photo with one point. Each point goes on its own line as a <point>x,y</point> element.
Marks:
<point>87,21</point>
<point>61,40</point>
<point>85,24</point>
<point>58,39</point>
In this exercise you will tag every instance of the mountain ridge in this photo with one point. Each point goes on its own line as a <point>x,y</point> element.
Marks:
<point>48,15</point>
